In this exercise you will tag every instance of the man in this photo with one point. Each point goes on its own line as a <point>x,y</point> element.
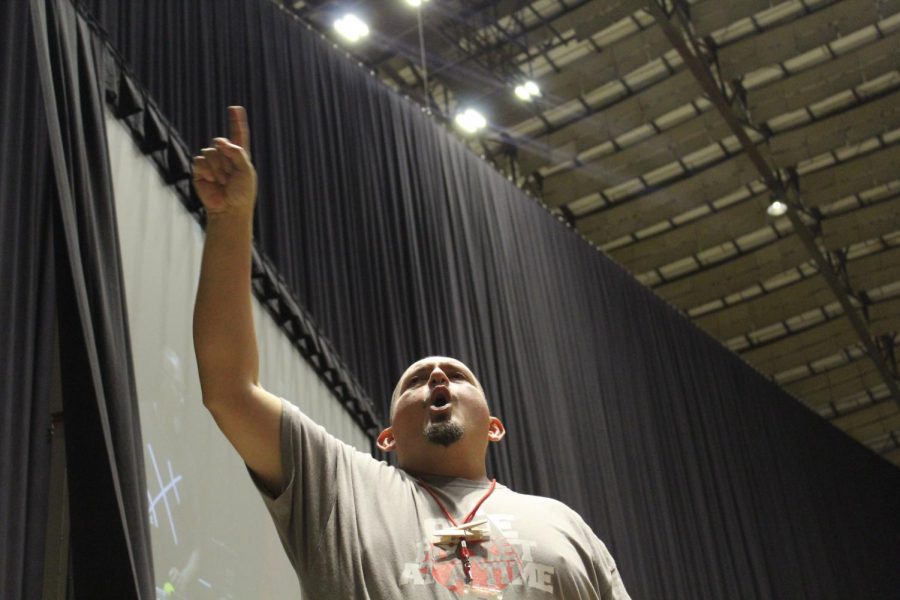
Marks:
<point>352,526</point>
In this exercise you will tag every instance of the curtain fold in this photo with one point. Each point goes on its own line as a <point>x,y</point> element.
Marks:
<point>706,480</point>
<point>27,307</point>
<point>107,492</point>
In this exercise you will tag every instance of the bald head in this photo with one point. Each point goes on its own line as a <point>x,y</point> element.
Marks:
<point>440,421</point>
<point>424,367</point>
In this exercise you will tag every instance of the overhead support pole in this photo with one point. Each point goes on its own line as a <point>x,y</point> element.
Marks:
<point>683,40</point>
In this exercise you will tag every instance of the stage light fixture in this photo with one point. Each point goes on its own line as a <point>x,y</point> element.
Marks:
<point>777,208</point>
<point>470,120</point>
<point>351,28</point>
<point>528,90</point>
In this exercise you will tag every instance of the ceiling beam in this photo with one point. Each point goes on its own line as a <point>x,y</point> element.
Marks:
<point>677,28</point>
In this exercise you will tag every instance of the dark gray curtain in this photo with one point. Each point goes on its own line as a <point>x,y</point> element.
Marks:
<point>60,255</point>
<point>706,480</point>
<point>27,306</point>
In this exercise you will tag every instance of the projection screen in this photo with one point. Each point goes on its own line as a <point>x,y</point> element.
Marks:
<point>211,535</point>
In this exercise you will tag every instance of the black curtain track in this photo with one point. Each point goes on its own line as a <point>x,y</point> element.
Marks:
<point>706,480</point>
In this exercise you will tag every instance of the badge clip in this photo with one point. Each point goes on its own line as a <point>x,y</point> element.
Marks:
<point>477,530</point>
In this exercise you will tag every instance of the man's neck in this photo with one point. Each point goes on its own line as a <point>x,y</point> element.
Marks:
<point>454,474</point>
<point>447,465</point>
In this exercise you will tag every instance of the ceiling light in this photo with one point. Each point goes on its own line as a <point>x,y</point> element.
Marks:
<point>351,28</point>
<point>470,120</point>
<point>416,3</point>
<point>777,208</point>
<point>528,90</point>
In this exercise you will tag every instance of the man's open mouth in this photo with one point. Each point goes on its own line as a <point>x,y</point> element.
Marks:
<point>440,400</point>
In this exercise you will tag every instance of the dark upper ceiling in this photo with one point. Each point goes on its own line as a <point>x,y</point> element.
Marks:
<point>663,133</point>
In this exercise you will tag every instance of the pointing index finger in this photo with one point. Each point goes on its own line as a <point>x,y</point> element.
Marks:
<point>238,127</point>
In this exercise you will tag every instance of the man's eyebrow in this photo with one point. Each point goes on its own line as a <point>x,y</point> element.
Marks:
<point>415,371</point>
<point>459,367</point>
<point>445,366</point>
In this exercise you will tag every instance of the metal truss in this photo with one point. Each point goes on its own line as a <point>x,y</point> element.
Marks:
<point>673,17</point>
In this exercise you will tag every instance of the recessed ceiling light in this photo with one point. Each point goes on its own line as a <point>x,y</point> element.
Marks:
<point>527,90</point>
<point>470,120</point>
<point>777,208</point>
<point>351,28</point>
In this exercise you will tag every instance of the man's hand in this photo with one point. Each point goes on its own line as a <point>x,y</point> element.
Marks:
<point>224,177</point>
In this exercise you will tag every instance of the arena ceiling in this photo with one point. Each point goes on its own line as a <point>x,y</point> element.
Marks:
<point>663,133</point>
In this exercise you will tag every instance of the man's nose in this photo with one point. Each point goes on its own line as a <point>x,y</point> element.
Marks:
<point>438,377</point>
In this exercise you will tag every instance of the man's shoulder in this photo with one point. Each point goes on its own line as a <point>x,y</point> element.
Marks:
<point>538,502</point>
<point>303,430</point>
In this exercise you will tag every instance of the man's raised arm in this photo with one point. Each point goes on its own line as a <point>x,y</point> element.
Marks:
<point>224,336</point>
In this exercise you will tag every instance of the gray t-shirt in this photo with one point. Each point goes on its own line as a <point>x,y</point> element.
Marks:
<point>356,527</point>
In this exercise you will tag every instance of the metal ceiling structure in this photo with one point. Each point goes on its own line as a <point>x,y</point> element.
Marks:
<point>665,129</point>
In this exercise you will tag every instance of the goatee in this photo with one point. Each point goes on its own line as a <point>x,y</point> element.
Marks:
<point>443,432</point>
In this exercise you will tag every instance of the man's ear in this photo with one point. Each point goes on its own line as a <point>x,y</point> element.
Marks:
<point>496,430</point>
<point>386,442</point>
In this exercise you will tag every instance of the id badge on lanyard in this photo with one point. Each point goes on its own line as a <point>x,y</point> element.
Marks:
<point>459,536</point>
<point>460,542</point>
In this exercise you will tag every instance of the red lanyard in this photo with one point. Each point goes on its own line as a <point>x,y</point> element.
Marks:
<point>462,549</point>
